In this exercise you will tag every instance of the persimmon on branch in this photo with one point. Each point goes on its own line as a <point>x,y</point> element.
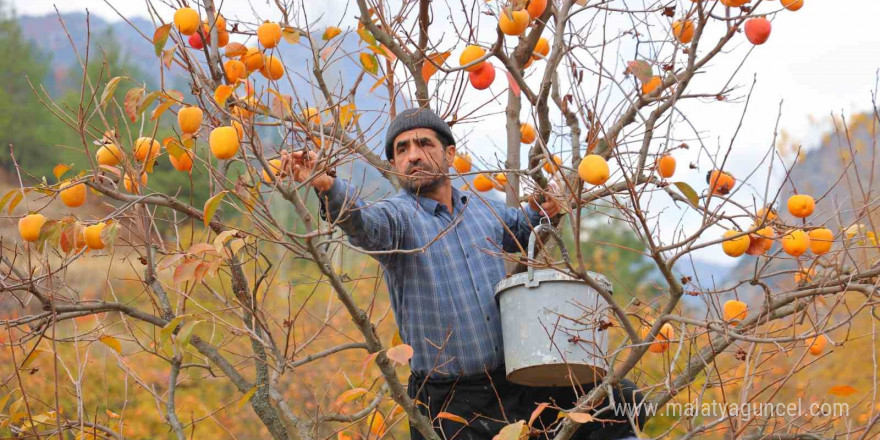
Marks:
<point>613,137</point>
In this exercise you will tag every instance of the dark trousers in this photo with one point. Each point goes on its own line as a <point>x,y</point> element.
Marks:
<point>489,402</point>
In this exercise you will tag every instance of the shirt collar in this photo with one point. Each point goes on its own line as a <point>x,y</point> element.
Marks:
<point>459,198</point>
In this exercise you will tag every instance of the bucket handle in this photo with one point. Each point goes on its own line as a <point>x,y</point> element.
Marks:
<point>543,226</point>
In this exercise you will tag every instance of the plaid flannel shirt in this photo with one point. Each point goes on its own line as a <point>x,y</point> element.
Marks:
<point>442,294</point>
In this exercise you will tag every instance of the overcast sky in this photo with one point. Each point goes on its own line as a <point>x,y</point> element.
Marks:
<point>821,59</point>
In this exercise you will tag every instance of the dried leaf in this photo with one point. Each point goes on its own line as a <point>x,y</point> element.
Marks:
<point>580,417</point>
<point>168,57</point>
<point>841,390</point>
<point>5,400</point>
<point>222,93</point>
<point>514,87</point>
<point>281,105</point>
<point>688,192</point>
<point>396,340</point>
<point>200,248</point>
<point>379,82</point>
<point>6,197</point>
<point>366,35</point>
<point>132,99</point>
<point>537,412</point>
<point>168,330</point>
<point>350,395</point>
<point>642,70</point>
<point>233,50</point>
<point>16,199</point>
<point>148,101</point>
<point>369,63</point>
<point>109,89</point>
<point>330,33</point>
<point>513,431</point>
<point>160,37</point>
<point>221,239</point>
<point>347,114</point>
<point>328,49</point>
<point>32,357</point>
<point>169,261</point>
<point>185,334</point>
<point>161,109</point>
<point>453,417</point>
<point>376,422</point>
<point>185,271</point>
<point>245,399</point>
<point>290,35</point>
<point>211,206</point>
<point>400,353</point>
<point>174,147</point>
<point>59,170</point>
<point>111,342</point>
<point>429,68</point>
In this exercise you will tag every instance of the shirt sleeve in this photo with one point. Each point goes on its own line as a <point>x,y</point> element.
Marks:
<point>374,227</point>
<point>520,222</point>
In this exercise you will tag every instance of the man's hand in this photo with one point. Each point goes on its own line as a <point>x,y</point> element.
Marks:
<point>550,206</point>
<point>300,165</point>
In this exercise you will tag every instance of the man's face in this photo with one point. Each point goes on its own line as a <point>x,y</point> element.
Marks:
<point>421,161</point>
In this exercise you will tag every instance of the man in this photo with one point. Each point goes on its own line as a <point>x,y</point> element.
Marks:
<point>441,281</point>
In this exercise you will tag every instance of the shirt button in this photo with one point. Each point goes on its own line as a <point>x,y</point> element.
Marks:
<point>487,318</point>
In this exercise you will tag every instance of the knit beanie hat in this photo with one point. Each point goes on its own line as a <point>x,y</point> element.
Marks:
<point>413,118</point>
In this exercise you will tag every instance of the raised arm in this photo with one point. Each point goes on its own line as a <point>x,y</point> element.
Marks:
<point>374,227</point>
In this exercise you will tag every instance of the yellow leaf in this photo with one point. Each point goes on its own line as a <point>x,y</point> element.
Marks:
<point>347,113</point>
<point>331,32</point>
<point>5,400</point>
<point>350,395</point>
<point>111,414</point>
<point>245,399</point>
<point>222,238</point>
<point>109,89</point>
<point>453,417</point>
<point>161,109</point>
<point>59,170</point>
<point>165,333</point>
<point>429,68</point>
<point>291,35</point>
<point>379,83</point>
<point>222,93</point>
<point>537,412</point>
<point>400,353</point>
<point>376,422</point>
<point>580,417</point>
<point>344,435</point>
<point>396,340</point>
<point>841,390</point>
<point>211,206</point>
<point>112,342</point>
<point>369,63</point>
<point>31,358</point>
<point>514,431</point>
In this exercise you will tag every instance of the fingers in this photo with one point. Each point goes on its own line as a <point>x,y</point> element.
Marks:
<point>551,208</point>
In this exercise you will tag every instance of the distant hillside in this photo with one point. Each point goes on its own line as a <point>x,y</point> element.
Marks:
<point>827,173</point>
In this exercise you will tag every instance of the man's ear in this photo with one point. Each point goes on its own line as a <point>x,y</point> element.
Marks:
<point>450,154</point>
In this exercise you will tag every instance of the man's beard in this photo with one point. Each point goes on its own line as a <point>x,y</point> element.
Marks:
<point>427,180</point>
